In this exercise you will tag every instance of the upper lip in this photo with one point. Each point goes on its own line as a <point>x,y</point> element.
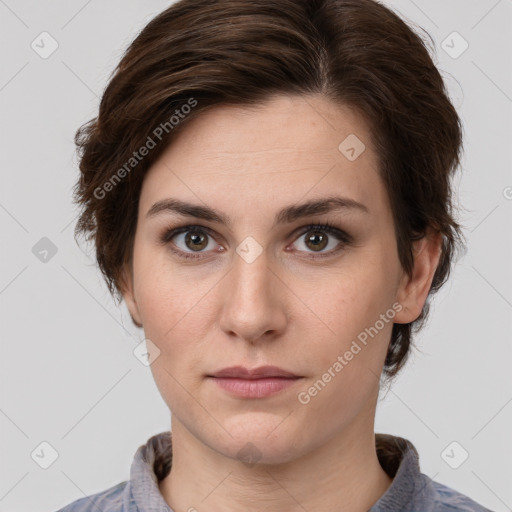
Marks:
<point>255,373</point>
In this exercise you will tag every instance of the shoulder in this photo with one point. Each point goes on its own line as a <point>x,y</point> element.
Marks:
<point>112,499</point>
<point>449,500</point>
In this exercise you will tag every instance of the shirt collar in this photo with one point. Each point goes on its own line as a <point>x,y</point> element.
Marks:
<point>410,489</point>
<point>148,468</point>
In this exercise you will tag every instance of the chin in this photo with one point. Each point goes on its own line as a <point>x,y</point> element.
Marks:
<point>261,438</point>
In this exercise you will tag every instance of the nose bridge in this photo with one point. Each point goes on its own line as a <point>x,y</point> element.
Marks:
<point>250,278</point>
<point>251,307</point>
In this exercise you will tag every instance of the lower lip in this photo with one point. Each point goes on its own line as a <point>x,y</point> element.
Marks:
<point>255,388</point>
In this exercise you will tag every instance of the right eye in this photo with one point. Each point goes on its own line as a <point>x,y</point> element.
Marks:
<point>190,242</point>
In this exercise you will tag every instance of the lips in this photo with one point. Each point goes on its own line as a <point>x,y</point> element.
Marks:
<point>262,382</point>
<point>262,372</point>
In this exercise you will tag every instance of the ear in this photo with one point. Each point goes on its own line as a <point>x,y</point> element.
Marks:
<point>413,290</point>
<point>127,290</point>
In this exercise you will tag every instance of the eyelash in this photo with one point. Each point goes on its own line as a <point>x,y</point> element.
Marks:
<point>344,238</point>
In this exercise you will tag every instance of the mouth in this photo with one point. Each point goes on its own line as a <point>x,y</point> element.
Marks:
<point>254,383</point>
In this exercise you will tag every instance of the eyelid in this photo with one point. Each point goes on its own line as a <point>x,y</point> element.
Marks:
<point>172,232</point>
<point>329,228</point>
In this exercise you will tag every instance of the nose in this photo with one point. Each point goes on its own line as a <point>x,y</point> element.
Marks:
<point>254,301</point>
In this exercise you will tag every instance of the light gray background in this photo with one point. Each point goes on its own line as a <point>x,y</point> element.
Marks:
<point>68,374</point>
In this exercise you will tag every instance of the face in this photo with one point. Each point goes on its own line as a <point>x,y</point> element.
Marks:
<point>249,281</point>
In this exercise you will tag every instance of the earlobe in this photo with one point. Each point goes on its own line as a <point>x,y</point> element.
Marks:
<point>413,290</point>
<point>127,290</point>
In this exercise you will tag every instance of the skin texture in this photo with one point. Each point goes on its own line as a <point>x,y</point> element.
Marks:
<point>284,308</point>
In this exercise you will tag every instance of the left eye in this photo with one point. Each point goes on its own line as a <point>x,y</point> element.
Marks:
<point>317,238</point>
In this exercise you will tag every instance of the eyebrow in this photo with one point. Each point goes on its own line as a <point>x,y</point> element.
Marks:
<point>288,214</point>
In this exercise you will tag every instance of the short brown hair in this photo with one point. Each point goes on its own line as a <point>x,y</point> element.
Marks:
<point>240,52</point>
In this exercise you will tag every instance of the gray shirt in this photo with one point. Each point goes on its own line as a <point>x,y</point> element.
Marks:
<point>410,490</point>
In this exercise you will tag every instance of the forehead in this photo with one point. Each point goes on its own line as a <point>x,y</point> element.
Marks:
<point>288,147</point>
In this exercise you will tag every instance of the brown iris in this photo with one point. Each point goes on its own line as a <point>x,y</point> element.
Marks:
<point>317,239</point>
<point>199,240</point>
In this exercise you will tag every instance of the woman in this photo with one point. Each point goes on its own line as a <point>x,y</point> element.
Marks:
<point>268,188</point>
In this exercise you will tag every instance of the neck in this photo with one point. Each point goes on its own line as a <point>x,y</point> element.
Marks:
<point>342,474</point>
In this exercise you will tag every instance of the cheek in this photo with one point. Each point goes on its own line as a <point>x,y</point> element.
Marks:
<point>357,305</point>
<point>164,294</point>
<point>348,362</point>
<point>355,296</point>
<point>176,311</point>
